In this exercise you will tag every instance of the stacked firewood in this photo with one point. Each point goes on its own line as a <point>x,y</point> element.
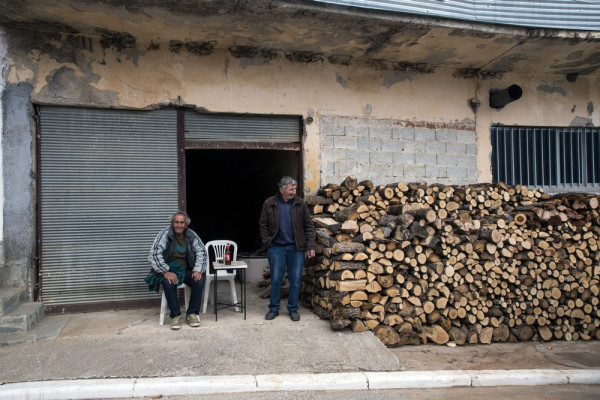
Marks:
<point>418,263</point>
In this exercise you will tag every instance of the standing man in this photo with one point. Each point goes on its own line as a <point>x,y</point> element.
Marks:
<point>179,255</point>
<point>287,231</point>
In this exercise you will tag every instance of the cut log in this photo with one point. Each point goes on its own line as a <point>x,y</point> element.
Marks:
<point>545,333</point>
<point>457,335</point>
<point>347,247</point>
<point>500,334</point>
<point>436,334</point>
<point>409,338</point>
<point>485,336</point>
<point>387,335</point>
<point>350,285</point>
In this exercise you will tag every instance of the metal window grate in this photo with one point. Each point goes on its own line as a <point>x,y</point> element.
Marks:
<point>546,157</point>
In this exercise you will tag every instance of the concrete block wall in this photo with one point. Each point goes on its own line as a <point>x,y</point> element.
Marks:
<point>388,151</point>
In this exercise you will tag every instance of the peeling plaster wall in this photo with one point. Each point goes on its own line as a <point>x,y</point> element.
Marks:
<point>123,72</point>
<point>18,171</point>
<point>412,105</point>
<point>2,84</point>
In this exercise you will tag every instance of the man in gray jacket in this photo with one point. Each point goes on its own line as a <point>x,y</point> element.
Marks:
<point>179,255</point>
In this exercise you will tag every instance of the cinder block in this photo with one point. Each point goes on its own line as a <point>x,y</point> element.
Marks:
<point>360,169</point>
<point>385,171</point>
<point>435,146</point>
<point>404,157</point>
<point>447,159</point>
<point>374,144</point>
<point>468,137</point>
<point>350,131</point>
<point>424,134</point>
<point>392,144</point>
<point>362,130</point>
<point>414,171</point>
<point>380,132</point>
<point>362,143</point>
<point>357,156</point>
<point>471,150</point>
<point>403,132</point>
<point>427,159</point>
<point>326,142</point>
<point>445,135</point>
<point>435,171</point>
<point>381,157</point>
<point>344,142</point>
<point>329,168</point>
<point>466,161</point>
<point>333,155</point>
<point>334,130</point>
<point>456,173</point>
<point>471,175</point>
<point>457,148</point>
<point>398,170</point>
<point>414,146</point>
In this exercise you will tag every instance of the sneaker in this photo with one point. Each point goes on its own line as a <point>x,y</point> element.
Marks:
<point>176,323</point>
<point>193,320</point>
<point>294,316</point>
<point>271,315</point>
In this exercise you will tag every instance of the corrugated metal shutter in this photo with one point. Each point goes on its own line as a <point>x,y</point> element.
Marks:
<point>108,185</point>
<point>557,14</point>
<point>241,128</point>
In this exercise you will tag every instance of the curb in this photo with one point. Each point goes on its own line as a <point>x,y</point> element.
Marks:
<point>148,387</point>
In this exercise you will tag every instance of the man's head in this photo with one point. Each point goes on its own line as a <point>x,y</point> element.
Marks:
<point>287,188</point>
<point>180,222</point>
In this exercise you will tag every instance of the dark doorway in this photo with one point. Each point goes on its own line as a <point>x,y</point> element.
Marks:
<point>226,188</point>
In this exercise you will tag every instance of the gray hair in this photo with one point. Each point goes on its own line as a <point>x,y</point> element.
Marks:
<point>187,218</point>
<point>287,180</point>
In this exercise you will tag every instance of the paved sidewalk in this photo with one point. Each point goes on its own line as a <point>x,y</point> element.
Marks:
<point>116,354</point>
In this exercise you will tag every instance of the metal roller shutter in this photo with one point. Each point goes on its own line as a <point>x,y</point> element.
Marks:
<point>108,182</point>
<point>241,128</point>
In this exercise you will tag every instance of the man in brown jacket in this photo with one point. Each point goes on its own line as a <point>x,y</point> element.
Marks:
<point>287,232</point>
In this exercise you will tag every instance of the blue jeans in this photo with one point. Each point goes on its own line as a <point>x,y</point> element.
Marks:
<point>196,287</point>
<point>282,258</point>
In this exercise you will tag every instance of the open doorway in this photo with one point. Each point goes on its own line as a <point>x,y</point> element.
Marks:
<point>225,190</point>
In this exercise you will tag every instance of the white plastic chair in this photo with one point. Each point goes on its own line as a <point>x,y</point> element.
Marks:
<point>219,247</point>
<point>164,306</point>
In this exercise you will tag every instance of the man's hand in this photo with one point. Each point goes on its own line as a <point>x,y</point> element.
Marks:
<point>196,275</point>
<point>311,253</point>
<point>171,277</point>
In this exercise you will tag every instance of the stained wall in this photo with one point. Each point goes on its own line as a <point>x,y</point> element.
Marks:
<point>365,120</point>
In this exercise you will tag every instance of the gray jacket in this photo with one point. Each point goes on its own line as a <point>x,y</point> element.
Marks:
<point>162,250</point>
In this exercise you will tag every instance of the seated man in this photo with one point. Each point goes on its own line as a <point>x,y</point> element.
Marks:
<point>179,255</point>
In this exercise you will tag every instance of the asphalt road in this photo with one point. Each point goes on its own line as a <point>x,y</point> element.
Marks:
<point>555,392</point>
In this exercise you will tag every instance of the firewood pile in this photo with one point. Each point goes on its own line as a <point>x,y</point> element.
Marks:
<point>418,263</point>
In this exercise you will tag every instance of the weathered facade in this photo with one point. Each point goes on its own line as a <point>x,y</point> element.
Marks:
<point>382,96</point>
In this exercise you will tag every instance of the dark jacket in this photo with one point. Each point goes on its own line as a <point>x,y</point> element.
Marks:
<point>304,229</point>
<point>162,251</point>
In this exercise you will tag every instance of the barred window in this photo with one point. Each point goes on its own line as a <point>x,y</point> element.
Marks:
<point>552,158</point>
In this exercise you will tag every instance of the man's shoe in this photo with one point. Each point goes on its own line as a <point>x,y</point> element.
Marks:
<point>176,323</point>
<point>294,316</point>
<point>193,320</point>
<point>271,315</point>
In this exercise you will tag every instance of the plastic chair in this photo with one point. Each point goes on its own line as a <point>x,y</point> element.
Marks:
<point>163,303</point>
<point>219,247</point>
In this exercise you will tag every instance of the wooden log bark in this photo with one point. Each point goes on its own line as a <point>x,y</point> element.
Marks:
<point>484,263</point>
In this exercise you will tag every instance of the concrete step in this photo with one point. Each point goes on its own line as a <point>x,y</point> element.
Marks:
<point>22,319</point>
<point>11,298</point>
